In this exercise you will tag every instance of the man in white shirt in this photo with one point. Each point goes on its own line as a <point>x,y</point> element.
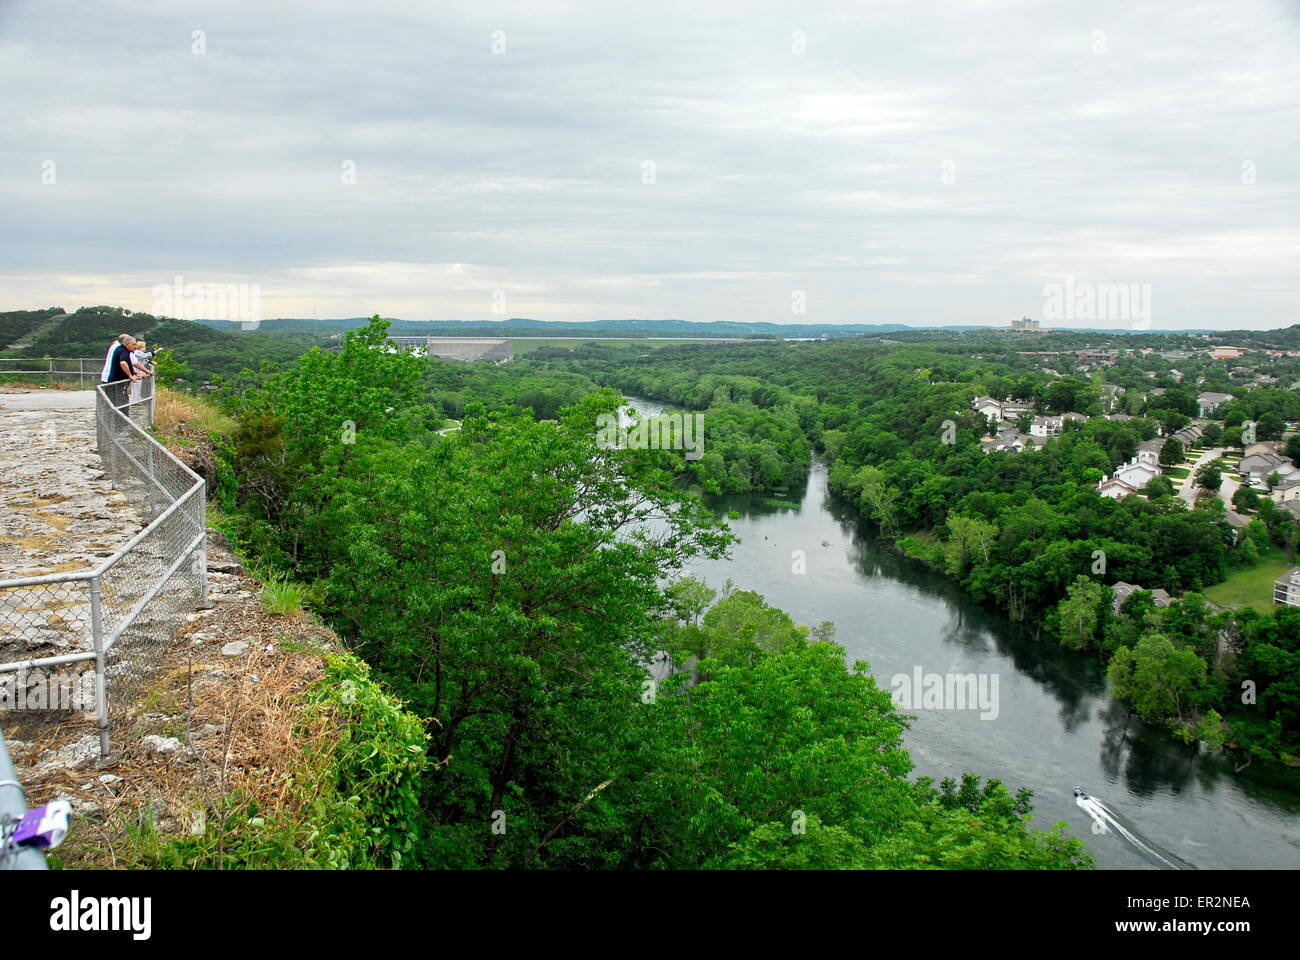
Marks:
<point>123,339</point>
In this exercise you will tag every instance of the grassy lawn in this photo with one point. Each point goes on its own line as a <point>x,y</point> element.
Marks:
<point>1178,473</point>
<point>1252,587</point>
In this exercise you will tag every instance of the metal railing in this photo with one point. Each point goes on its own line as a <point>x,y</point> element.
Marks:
<point>13,805</point>
<point>85,371</point>
<point>121,616</point>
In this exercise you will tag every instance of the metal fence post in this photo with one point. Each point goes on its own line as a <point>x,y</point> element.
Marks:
<point>203,546</point>
<point>101,680</point>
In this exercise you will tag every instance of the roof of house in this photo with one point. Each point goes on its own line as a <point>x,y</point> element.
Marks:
<point>1139,466</point>
<point>1261,461</point>
<point>1122,591</point>
<point>1111,483</point>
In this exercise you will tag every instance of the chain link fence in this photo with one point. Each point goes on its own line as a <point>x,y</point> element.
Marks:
<point>82,373</point>
<point>84,641</point>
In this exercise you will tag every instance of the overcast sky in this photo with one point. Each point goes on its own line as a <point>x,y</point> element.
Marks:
<point>913,162</point>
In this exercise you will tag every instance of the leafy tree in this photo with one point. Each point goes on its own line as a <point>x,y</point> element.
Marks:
<point>1172,453</point>
<point>1080,613</point>
<point>1158,487</point>
<point>1159,679</point>
<point>1210,476</point>
<point>1245,499</point>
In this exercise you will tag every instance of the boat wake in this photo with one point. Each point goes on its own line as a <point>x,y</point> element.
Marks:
<point>1106,820</point>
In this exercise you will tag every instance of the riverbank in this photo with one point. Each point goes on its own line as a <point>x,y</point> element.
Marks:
<point>1056,726</point>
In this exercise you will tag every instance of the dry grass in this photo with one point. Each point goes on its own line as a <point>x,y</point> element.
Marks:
<point>241,721</point>
<point>181,416</point>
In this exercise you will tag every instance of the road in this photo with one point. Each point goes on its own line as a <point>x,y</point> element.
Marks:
<point>1187,492</point>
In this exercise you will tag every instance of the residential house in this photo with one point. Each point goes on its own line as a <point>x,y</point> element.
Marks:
<point>1137,473</point>
<point>1288,489</point>
<point>1121,591</point>
<point>1260,466</point>
<point>1286,589</point>
<point>1044,427</point>
<point>1151,449</point>
<point>1238,522</point>
<point>1115,489</point>
<point>1148,454</point>
<point>1264,446</point>
<point>1210,401</point>
<point>1189,436</point>
<point>1009,439</point>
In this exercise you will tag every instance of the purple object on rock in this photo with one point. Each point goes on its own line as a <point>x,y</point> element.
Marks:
<point>44,827</point>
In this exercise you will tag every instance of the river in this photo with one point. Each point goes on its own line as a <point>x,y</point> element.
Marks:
<point>1055,727</point>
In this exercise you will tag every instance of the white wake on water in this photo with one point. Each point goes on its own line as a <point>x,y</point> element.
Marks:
<point>1106,820</point>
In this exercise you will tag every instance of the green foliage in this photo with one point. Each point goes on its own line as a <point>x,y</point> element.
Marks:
<point>1210,476</point>
<point>1160,679</point>
<point>281,597</point>
<point>504,581</point>
<point>1080,614</point>
<point>1172,453</point>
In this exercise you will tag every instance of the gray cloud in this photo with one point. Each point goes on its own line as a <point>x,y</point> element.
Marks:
<point>1104,142</point>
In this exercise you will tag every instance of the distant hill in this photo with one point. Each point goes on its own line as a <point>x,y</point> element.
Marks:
<point>17,326</point>
<point>524,327</point>
<point>207,350</point>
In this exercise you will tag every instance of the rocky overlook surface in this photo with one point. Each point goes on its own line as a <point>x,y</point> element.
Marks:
<point>221,706</point>
<point>58,510</point>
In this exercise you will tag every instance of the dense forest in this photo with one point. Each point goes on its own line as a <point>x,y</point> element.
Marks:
<point>511,580</point>
<point>1027,532</point>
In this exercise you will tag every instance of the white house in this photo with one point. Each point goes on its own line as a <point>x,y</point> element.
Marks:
<point>987,407</point>
<point>1136,473</point>
<point>1286,589</point>
<point>1115,489</point>
<point>1148,456</point>
<point>1045,427</point>
<point>1288,489</point>
<point>1210,401</point>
